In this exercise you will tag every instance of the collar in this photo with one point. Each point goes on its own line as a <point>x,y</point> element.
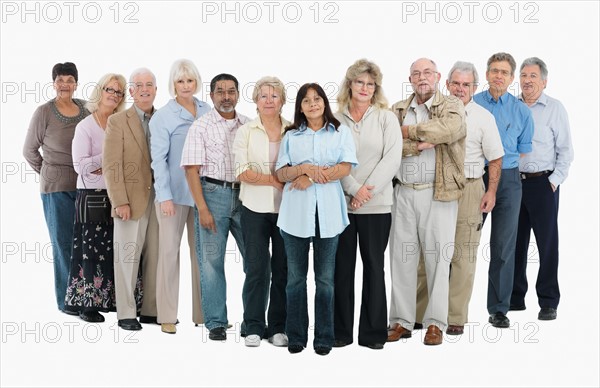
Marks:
<point>257,123</point>
<point>542,99</point>
<point>141,114</point>
<point>346,112</point>
<point>176,107</point>
<point>217,116</point>
<point>489,98</point>
<point>304,127</point>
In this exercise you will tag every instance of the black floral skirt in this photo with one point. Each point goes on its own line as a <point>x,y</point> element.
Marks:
<point>91,285</point>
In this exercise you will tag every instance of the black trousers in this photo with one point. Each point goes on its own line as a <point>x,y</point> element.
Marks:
<point>372,232</point>
<point>539,211</point>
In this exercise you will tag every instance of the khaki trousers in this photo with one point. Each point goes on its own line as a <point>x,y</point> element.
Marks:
<point>464,260</point>
<point>167,275</point>
<point>132,239</point>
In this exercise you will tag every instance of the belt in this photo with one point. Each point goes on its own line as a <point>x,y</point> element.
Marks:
<point>415,186</point>
<point>231,185</point>
<point>529,175</point>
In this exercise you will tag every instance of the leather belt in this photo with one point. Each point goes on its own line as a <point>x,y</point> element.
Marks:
<point>414,186</point>
<point>528,175</point>
<point>231,185</point>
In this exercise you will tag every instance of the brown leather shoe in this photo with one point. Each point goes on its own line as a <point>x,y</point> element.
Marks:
<point>433,336</point>
<point>455,330</point>
<point>396,332</point>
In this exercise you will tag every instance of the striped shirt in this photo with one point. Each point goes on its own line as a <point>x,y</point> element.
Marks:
<point>209,144</point>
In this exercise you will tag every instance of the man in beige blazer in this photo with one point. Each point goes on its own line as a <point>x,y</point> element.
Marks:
<point>126,168</point>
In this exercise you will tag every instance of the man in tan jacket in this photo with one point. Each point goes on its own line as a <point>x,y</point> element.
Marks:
<point>126,168</point>
<point>426,191</point>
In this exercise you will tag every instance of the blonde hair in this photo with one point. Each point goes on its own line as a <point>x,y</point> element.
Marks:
<point>356,70</point>
<point>271,81</point>
<point>96,96</point>
<point>181,69</point>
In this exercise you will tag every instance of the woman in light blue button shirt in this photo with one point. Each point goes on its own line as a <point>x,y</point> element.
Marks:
<point>174,204</point>
<point>316,152</point>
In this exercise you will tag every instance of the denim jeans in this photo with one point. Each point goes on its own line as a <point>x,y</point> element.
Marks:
<point>225,207</point>
<point>59,210</point>
<point>266,273</point>
<point>503,240</point>
<point>297,305</point>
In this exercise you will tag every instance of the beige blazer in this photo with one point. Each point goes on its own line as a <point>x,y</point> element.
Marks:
<point>126,163</point>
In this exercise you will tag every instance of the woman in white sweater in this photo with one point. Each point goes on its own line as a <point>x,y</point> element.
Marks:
<point>368,189</point>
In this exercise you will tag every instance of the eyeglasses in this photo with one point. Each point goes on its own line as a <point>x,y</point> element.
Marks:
<point>362,84</point>
<point>465,85</point>
<point>496,71</point>
<point>118,93</point>
<point>426,74</point>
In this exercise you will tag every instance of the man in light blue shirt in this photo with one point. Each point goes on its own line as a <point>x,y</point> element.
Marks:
<point>542,172</point>
<point>515,126</point>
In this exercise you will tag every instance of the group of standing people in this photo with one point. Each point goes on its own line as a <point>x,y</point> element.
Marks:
<point>422,175</point>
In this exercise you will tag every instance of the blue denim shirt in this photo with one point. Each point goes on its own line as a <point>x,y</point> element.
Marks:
<point>323,147</point>
<point>514,122</point>
<point>168,129</point>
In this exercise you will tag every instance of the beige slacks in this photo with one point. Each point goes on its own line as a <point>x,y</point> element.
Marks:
<point>420,225</point>
<point>132,239</point>
<point>464,260</point>
<point>167,276</point>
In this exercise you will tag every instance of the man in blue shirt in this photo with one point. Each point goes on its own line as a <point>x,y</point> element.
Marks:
<point>515,125</point>
<point>542,172</point>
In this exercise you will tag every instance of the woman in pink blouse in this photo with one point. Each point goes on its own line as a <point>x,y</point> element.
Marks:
<point>90,287</point>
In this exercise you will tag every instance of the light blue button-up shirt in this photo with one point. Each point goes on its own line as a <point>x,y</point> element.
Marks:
<point>168,129</point>
<point>514,122</point>
<point>552,146</point>
<point>323,147</point>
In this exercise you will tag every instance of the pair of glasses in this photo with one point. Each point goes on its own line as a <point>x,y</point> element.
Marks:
<point>426,74</point>
<point>362,84</point>
<point>118,93</point>
<point>465,85</point>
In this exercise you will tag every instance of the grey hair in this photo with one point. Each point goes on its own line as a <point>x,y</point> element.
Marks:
<point>183,68</point>
<point>464,67</point>
<point>533,61</point>
<point>141,70</point>
<point>501,57</point>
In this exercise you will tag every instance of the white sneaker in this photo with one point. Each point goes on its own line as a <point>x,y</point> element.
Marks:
<point>279,339</point>
<point>252,340</point>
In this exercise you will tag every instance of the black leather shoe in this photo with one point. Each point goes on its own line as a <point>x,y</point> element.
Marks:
<point>547,314</point>
<point>322,351</point>
<point>295,348</point>
<point>91,316</point>
<point>375,346</point>
<point>148,319</point>
<point>499,320</point>
<point>130,324</point>
<point>516,307</point>
<point>217,334</point>
<point>418,326</point>
<point>340,343</point>
<point>69,312</point>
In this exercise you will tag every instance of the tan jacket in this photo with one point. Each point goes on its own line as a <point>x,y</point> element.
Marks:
<point>446,129</point>
<point>126,163</point>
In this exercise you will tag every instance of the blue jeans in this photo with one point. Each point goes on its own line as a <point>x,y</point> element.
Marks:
<point>297,305</point>
<point>503,240</point>
<point>225,207</point>
<point>266,273</point>
<point>59,210</point>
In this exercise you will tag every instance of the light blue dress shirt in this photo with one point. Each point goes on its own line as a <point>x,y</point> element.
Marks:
<point>323,147</point>
<point>514,122</point>
<point>168,129</point>
<point>552,146</point>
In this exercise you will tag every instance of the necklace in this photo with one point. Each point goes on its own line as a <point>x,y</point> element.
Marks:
<point>99,122</point>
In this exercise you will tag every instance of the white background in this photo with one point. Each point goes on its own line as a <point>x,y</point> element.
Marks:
<point>42,347</point>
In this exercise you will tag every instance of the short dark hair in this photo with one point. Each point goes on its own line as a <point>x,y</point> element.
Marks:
<point>67,68</point>
<point>223,77</point>
<point>300,118</point>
